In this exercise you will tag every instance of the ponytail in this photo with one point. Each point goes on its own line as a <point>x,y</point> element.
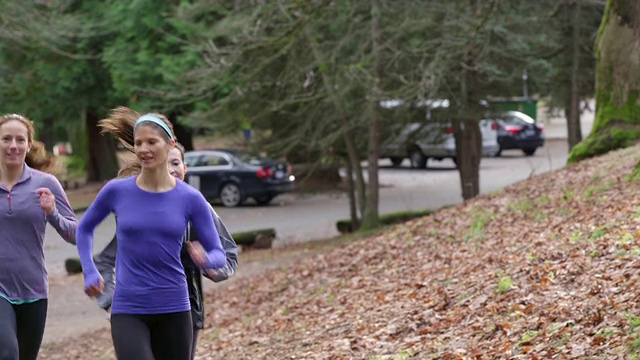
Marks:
<point>121,123</point>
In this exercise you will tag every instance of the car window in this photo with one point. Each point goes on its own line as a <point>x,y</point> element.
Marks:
<point>214,160</point>
<point>191,160</point>
<point>251,159</point>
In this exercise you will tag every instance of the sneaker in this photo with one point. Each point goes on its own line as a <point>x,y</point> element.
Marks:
<point>106,298</point>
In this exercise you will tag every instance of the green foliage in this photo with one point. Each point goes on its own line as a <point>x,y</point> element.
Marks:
<point>556,80</point>
<point>150,54</point>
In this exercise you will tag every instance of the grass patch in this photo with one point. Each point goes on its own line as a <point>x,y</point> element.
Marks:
<point>633,345</point>
<point>523,205</point>
<point>598,233</point>
<point>542,200</point>
<point>527,337</point>
<point>635,174</point>
<point>345,226</point>
<point>596,189</point>
<point>480,221</point>
<point>504,285</point>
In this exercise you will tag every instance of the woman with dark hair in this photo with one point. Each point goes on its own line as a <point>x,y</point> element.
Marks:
<point>30,197</point>
<point>106,260</point>
<point>150,314</point>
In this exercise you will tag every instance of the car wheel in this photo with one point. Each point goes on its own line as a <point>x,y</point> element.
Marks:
<point>418,160</point>
<point>396,161</point>
<point>230,195</point>
<point>529,152</point>
<point>264,200</point>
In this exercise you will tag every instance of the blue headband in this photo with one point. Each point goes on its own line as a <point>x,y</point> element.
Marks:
<point>155,120</point>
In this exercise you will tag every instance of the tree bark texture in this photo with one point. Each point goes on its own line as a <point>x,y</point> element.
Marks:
<point>618,65</point>
<point>184,135</point>
<point>370,217</point>
<point>466,130</point>
<point>617,122</point>
<point>574,129</point>
<point>469,152</point>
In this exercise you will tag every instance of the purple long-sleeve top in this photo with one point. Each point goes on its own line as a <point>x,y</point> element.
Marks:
<point>150,226</point>
<point>23,275</point>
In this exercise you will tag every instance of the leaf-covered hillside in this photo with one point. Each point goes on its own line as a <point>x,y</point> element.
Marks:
<point>546,268</point>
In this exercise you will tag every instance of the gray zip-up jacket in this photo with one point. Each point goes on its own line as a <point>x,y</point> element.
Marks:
<point>23,275</point>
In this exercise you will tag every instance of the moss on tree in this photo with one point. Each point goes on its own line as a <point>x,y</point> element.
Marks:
<point>617,122</point>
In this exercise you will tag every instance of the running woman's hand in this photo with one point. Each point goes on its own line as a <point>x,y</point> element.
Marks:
<point>93,284</point>
<point>47,200</point>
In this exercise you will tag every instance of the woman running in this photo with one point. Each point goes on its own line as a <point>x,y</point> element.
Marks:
<point>151,316</point>
<point>29,199</point>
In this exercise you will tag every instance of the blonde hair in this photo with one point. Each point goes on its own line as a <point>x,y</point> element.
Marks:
<point>37,157</point>
<point>121,123</point>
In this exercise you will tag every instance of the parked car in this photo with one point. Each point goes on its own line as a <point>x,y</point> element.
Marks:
<point>517,130</point>
<point>232,176</point>
<point>430,139</point>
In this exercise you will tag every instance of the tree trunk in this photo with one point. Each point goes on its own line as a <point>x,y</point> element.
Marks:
<point>351,191</point>
<point>469,151</point>
<point>184,135</point>
<point>466,130</point>
<point>47,134</point>
<point>356,168</point>
<point>370,217</point>
<point>102,163</point>
<point>574,129</point>
<point>617,122</point>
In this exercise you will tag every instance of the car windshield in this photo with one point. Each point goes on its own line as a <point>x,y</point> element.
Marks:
<point>517,119</point>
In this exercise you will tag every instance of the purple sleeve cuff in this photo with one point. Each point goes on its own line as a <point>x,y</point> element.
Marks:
<point>216,259</point>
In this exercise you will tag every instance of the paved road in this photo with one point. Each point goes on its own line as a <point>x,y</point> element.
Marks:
<point>300,218</point>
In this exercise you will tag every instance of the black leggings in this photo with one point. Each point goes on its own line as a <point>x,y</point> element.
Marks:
<point>152,337</point>
<point>21,329</point>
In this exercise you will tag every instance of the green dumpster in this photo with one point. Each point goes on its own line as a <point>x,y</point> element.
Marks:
<point>528,106</point>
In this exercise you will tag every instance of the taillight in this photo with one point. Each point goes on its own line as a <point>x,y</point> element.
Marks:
<point>448,130</point>
<point>494,126</point>
<point>540,126</point>
<point>512,129</point>
<point>264,173</point>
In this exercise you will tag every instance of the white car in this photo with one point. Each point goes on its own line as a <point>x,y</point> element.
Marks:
<point>421,141</point>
